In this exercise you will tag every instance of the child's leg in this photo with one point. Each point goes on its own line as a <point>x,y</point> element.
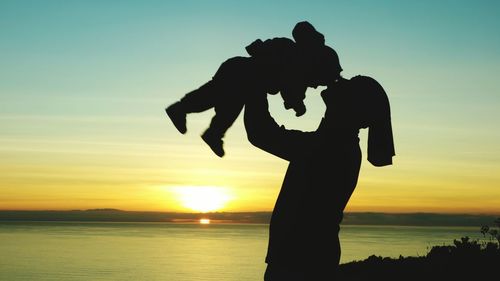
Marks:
<point>219,93</point>
<point>198,100</point>
<point>208,95</point>
<point>225,115</point>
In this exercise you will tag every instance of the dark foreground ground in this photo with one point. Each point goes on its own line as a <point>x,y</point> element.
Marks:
<point>464,260</point>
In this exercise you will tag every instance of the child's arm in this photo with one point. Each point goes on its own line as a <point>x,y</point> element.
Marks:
<point>293,97</point>
<point>264,133</point>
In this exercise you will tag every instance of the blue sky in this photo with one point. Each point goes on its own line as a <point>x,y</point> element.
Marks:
<point>82,78</point>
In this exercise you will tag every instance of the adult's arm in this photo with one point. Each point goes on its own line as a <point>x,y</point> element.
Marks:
<point>264,133</point>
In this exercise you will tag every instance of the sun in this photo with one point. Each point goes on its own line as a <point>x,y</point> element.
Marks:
<point>202,198</point>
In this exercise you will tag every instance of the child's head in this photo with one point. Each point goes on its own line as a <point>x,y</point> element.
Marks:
<point>306,35</point>
<point>324,67</point>
<point>319,63</point>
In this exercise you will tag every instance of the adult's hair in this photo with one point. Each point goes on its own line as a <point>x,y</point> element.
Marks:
<point>361,102</point>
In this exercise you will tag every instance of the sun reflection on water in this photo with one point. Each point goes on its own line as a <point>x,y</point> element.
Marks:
<point>204,221</point>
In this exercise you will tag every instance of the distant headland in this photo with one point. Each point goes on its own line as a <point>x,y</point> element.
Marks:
<point>351,218</point>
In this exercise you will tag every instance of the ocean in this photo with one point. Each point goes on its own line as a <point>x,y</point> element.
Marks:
<point>180,252</point>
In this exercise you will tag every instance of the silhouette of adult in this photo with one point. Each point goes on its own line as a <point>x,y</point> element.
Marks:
<point>322,174</point>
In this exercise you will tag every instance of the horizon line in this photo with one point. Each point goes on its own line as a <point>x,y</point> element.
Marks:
<point>258,211</point>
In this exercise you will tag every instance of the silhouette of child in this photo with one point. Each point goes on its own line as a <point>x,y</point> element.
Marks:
<point>275,65</point>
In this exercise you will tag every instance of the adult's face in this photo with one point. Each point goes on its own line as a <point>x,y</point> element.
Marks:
<point>345,107</point>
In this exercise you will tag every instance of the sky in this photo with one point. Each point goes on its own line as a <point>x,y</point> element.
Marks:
<point>84,84</point>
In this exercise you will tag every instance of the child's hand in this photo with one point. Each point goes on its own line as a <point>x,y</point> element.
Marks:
<point>299,107</point>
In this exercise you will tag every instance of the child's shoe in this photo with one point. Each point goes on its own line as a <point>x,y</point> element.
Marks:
<point>178,117</point>
<point>215,142</point>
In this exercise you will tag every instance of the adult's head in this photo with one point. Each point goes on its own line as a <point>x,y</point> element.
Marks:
<point>358,103</point>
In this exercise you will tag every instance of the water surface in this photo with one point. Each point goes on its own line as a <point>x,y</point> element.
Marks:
<point>179,252</point>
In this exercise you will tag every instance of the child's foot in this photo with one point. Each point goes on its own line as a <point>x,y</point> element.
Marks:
<point>177,116</point>
<point>214,142</point>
